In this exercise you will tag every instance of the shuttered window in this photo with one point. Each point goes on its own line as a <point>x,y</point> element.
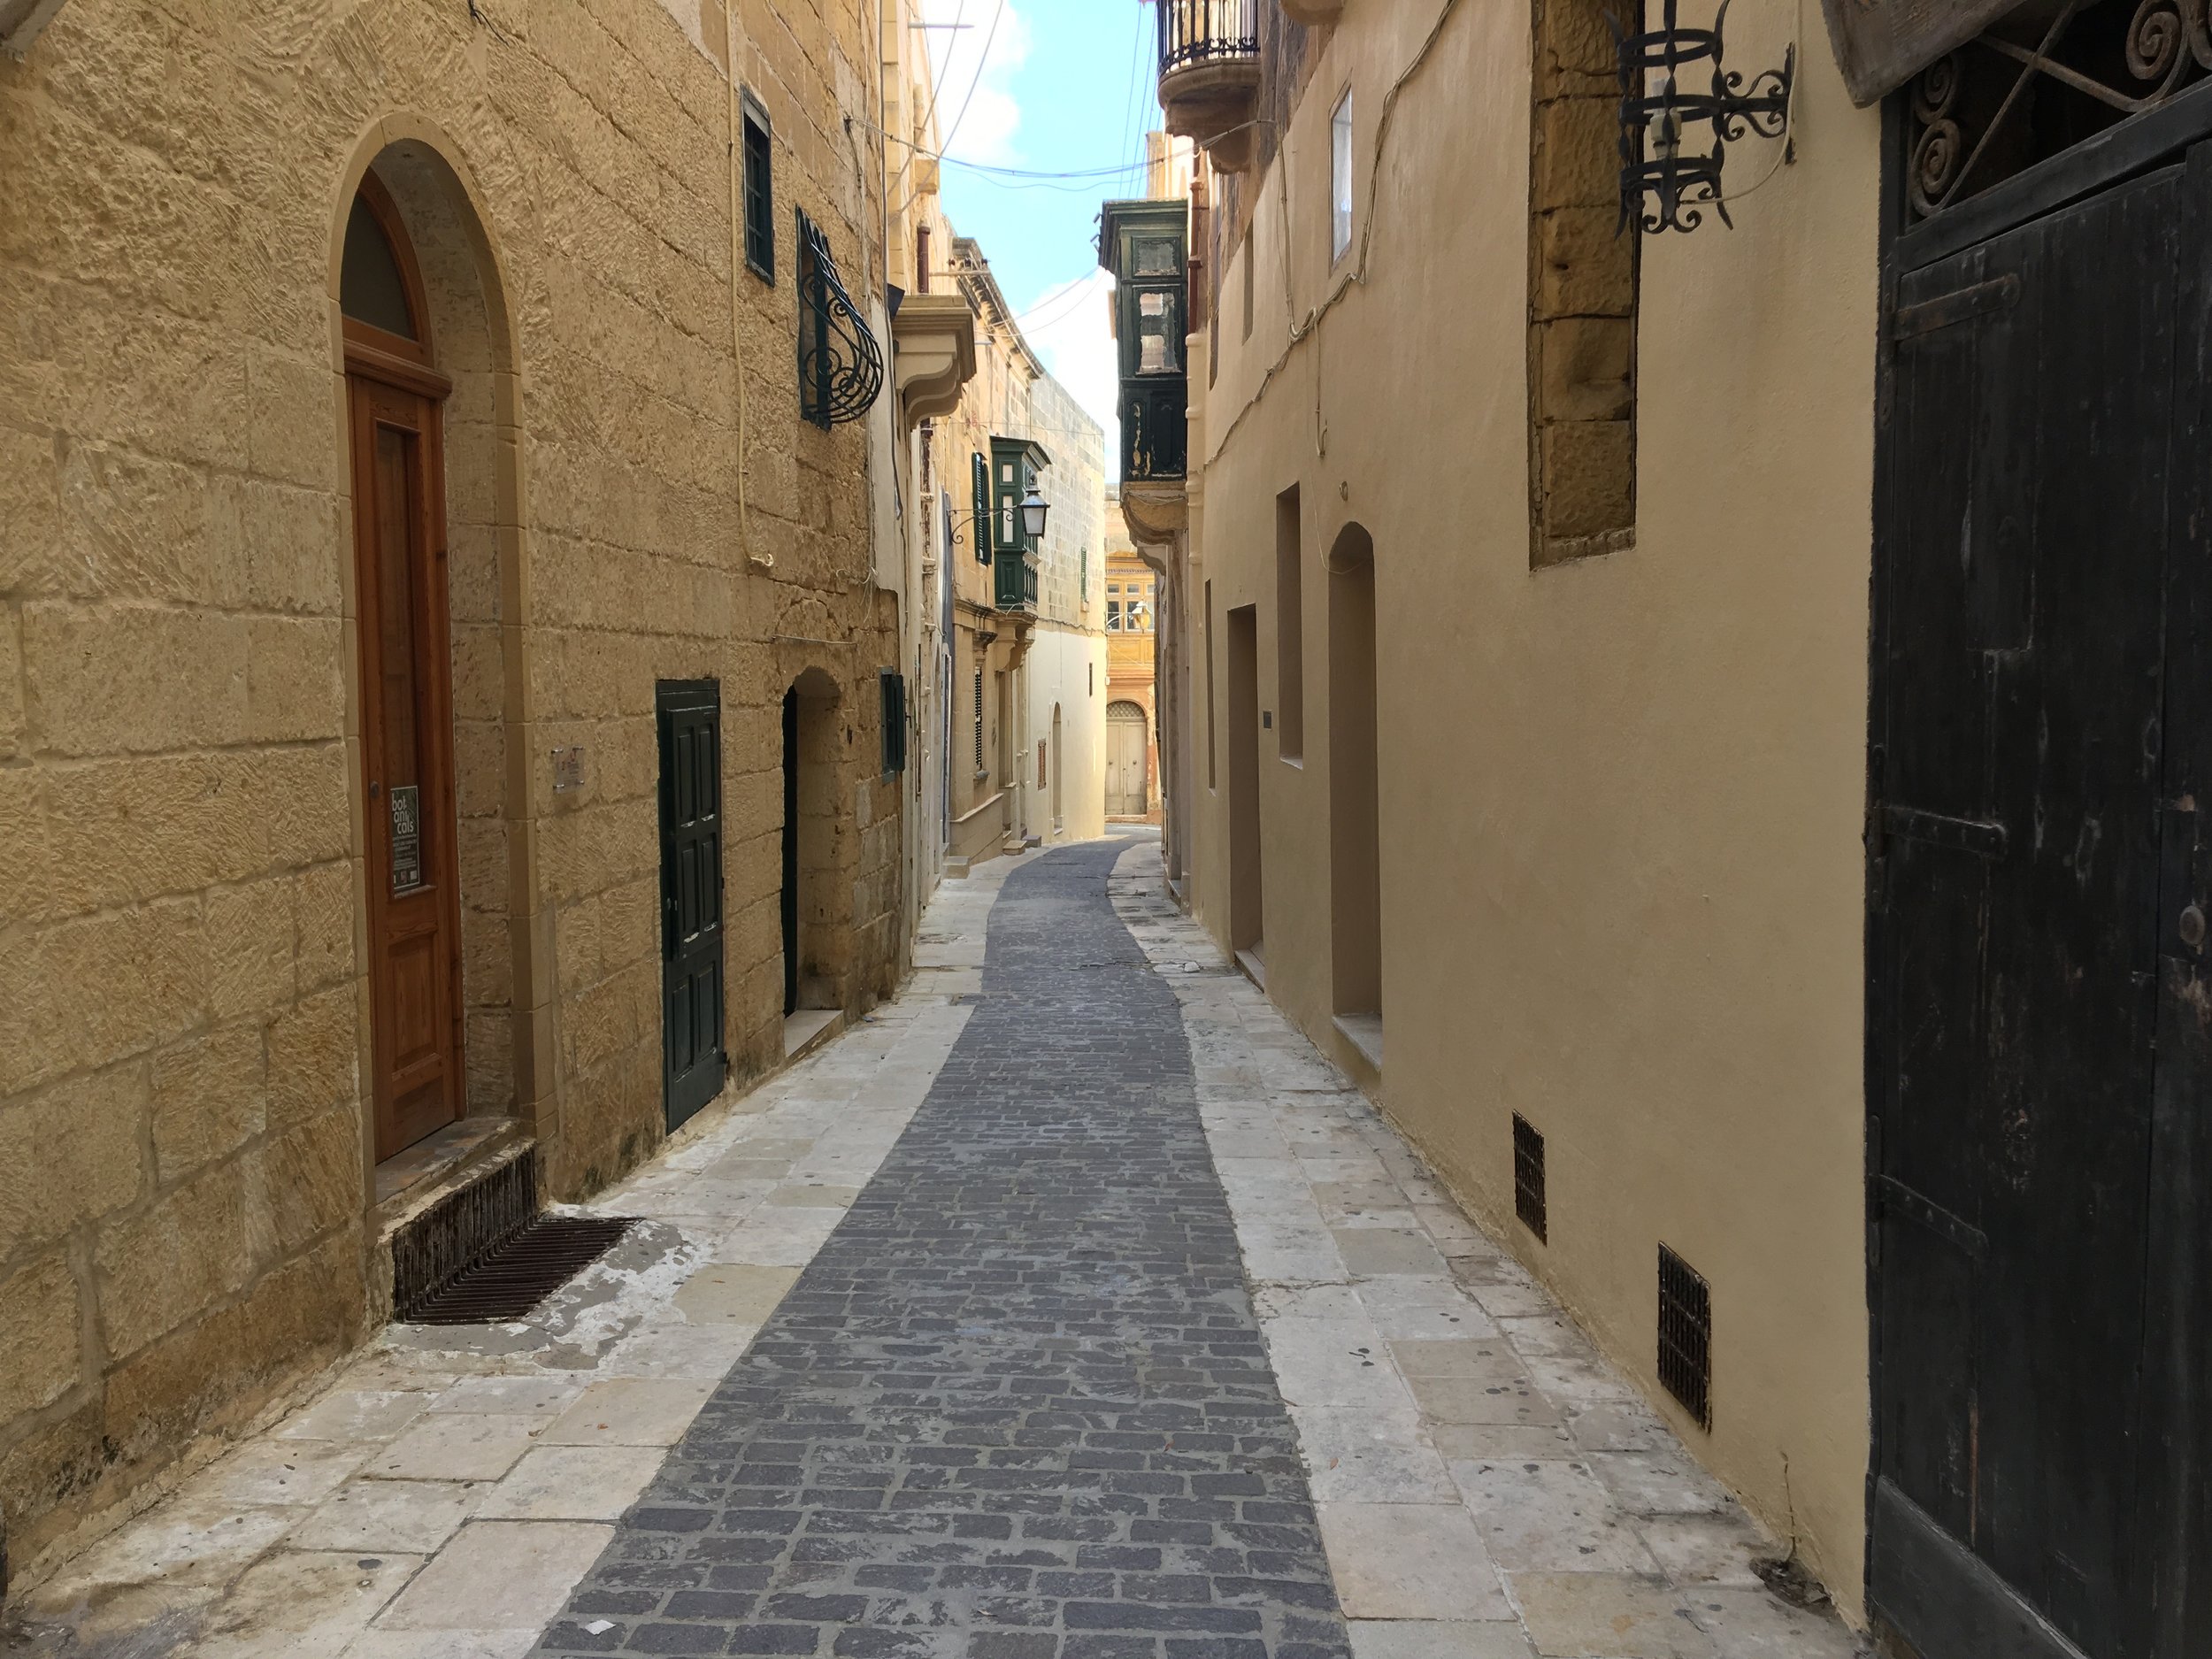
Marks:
<point>980,483</point>
<point>760,192</point>
<point>979,722</point>
<point>893,687</point>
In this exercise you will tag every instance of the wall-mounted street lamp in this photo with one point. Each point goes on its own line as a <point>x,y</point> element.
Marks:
<point>1034,507</point>
<point>1662,185</point>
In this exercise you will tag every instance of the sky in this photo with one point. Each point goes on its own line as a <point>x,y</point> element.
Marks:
<point>1064,87</point>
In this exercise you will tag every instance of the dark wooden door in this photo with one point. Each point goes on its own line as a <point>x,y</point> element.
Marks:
<point>789,905</point>
<point>694,1056</point>
<point>407,759</point>
<point>2037,466</point>
<point>1246,890</point>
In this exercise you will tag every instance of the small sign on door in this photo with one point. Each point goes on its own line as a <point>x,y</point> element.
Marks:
<point>406,837</point>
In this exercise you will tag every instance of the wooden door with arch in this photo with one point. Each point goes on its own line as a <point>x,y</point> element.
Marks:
<point>395,398</point>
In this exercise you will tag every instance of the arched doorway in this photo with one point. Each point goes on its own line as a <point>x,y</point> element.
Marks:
<point>1059,766</point>
<point>816,934</point>
<point>1128,788</point>
<point>396,397</point>
<point>1355,794</point>
<point>432,453</point>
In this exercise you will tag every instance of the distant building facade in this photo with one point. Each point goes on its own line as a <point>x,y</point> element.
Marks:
<point>1132,751</point>
<point>1025,727</point>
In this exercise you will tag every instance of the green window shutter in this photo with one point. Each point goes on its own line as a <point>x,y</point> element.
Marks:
<point>980,477</point>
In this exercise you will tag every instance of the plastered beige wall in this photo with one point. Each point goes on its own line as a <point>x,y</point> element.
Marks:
<point>1065,670</point>
<point>184,1153</point>
<point>1621,798</point>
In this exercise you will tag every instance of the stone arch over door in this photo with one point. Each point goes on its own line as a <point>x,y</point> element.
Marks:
<point>503,983</point>
<point>1128,735</point>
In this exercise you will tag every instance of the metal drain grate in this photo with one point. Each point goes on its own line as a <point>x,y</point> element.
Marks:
<point>1528,1176</point>
<point>1686,1336</point>
<point>512,1278</point>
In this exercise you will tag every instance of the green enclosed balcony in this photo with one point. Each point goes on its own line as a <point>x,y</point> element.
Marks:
<point>1014,580</point>
<point>1016,463</point>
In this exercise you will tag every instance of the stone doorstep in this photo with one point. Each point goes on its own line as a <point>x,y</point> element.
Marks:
<point>1364,1032</point>
<point>808,1030</point>
<point>409,1181</point>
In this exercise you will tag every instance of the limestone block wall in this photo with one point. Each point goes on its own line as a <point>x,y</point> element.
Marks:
<point>1075,484</point>
<point>185,1225</point>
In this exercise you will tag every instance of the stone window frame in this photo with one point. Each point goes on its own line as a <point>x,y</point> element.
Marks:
<point>1582,288</point>
<point>1343,208</point>
<point>759,186</point>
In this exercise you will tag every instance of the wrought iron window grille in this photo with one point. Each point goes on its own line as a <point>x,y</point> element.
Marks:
<point>1663,186</point>
<point>841,365</point>
<point>2010,98</point>
<point>1202,31</point>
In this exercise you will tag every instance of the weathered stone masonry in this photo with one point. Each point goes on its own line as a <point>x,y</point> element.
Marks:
<point>186,1221</point>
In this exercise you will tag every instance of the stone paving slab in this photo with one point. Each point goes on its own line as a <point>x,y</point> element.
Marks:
<point>1448,1516</point>
<point>1017,1405</point>
<point>1489,1487</point>
<point>375,1520</point>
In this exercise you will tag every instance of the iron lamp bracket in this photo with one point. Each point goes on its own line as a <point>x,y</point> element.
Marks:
<point>1665,184</point>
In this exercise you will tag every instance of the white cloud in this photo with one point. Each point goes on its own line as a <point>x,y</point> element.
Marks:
<point>977,112</point>
<point>1068,326</point>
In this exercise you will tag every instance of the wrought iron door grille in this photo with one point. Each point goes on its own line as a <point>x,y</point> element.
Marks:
<point>1686,1336</point>
<point>1202,31</point>
<point>841,366</point>
<point>2038,82</point>
<point>1528,1176</point>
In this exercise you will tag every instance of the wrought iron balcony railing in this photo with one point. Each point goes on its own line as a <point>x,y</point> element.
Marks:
<point>1014,579</point>
<point>841,366</point>
<point>1207,31</point>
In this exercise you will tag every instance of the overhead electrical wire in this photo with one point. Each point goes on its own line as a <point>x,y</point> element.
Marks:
<point>982,62</point>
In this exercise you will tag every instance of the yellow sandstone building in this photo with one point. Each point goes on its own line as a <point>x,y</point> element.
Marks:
<point>456,625</point>
<point>1132,749</point>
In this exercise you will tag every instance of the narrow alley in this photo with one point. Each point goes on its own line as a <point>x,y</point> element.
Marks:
<point>1071,1307</point>
<point>1151,829</point>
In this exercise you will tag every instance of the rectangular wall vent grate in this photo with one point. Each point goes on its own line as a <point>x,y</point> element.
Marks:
<point>512,1278</point>
<point>1686,1336</point>
<point>1528,1176</point>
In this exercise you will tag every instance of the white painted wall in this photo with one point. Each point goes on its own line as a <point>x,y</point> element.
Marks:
<point>1066,668</point>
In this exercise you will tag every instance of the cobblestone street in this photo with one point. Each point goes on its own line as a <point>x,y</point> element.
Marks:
<point>1019,1402</point>
<point>1071,1307</point>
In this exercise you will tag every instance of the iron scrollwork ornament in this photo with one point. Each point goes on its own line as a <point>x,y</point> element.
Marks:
<point>1663,185</point>
<point>841,366</point>
<point>1999,105</point>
